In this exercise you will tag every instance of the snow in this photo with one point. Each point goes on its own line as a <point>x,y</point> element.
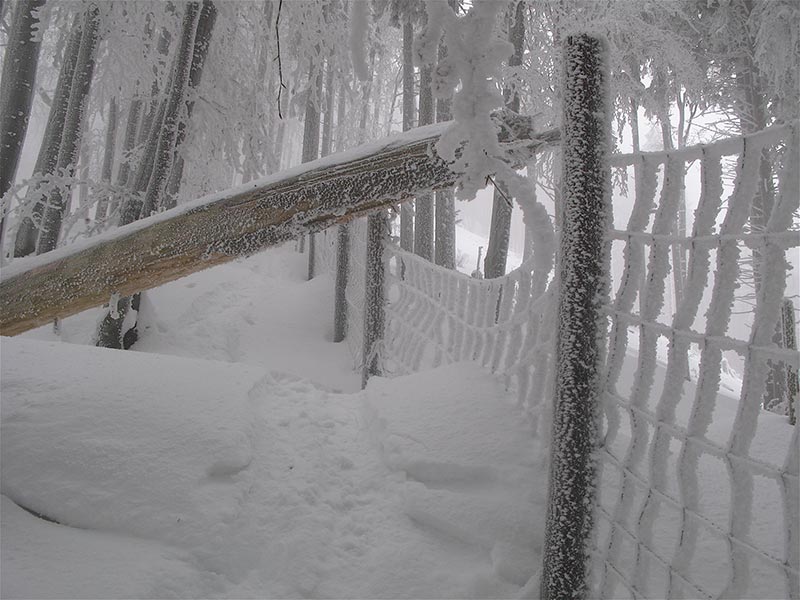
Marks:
<point>175,476</point>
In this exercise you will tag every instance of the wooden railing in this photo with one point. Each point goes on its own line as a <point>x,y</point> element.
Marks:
<point>238,222</point>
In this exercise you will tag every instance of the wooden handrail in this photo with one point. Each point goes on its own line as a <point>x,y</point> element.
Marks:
<point>239,222</point>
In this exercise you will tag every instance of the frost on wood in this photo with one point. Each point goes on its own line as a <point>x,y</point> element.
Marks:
<point>374,315</point>
<point>583,272</point>
<point>223,226</point>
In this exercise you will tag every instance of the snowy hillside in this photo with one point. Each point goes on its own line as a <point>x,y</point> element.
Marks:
<point>189,477</point>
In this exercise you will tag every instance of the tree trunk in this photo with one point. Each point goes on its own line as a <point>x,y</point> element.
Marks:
<point>494,265</point>
<point>407,208</point>
<point>445,248</point>
<point>108,159</point>
<point>154,169</point>
<point>165,152</point>
<point>341,111</point>
<point>70,141</point>
<point>423,214</point>
<point>327,126</point>
<point>16,92</point>
<point>311,140</point>
<point>128,144</point>
<point>202,40</point>
<point>28,231</point>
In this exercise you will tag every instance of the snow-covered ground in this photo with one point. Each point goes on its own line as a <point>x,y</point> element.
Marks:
<point>233,455</point>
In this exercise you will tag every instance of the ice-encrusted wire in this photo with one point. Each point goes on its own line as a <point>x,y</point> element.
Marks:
<point>676,515</point>
<point>682,464</point>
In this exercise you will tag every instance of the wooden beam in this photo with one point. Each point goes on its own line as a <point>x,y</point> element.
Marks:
<point>240,222</point>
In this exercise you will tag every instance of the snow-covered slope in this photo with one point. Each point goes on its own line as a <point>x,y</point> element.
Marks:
<point>178,476</point>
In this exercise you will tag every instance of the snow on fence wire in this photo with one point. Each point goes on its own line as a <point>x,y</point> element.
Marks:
<point>437,316</point>
<point>697,485</point>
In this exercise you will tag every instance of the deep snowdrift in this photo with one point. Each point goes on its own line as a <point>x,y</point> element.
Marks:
<point>178,477</point>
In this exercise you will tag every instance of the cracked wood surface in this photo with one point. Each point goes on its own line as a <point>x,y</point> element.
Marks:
<point>238,223</point>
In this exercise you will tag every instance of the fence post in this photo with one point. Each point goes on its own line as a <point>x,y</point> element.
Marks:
<point>340,291</point>
<point>583,271</point>
<point>312,257</point>
<point>790,341</point>
<point>374,317</point>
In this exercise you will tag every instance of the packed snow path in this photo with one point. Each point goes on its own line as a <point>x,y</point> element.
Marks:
<point>181,477</point>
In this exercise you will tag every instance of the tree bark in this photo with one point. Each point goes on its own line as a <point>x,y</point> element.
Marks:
<point>28,231</point>
<point>165,151</point>
<point>311,141</point>
<point>423,214</point>
<point>202,40</point>
<point>327,126</point>
<point>123,261</point>
<point>16,92</point>
<point>70,141</point>
<point>154,169</point>
<point>108,158</point>
<point>445,247</point>
<point>494,265</point>
<point>407,209</point>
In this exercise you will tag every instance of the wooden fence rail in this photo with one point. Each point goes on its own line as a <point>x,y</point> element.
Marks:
<point>239,222</point>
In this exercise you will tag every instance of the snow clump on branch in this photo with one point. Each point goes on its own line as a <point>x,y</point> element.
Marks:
<point>475,56</point>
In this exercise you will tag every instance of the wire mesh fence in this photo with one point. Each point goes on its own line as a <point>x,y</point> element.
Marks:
<point>697,489</point>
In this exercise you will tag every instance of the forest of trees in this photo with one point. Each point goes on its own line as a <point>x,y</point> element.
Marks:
<point>140,106</point>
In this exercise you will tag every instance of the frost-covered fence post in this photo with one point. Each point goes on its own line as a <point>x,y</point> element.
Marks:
<point>377,229</point>
<point>583,271</point>
<point>340,291</point>
<point>790,341</point>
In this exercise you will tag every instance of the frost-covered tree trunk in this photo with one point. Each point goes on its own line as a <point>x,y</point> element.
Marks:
<point>365,99</point>
<point>494,265</point>
<point>445,247</point>
<point>327,126</point>
<point>341,111</point>
<point>73,124</point>
<point>423,205</point>
<point>117,329</point>
<point>374,315</point>
<point>46,160</point>
<point>311,140</point>
<point>108,158</point>
<point>16,90</point>
<point>750,107</point>
<point>202,40</point>
<point>129,142</point>
<point>165,151</point>
<point>407,208</point>
<point>583,276</point>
